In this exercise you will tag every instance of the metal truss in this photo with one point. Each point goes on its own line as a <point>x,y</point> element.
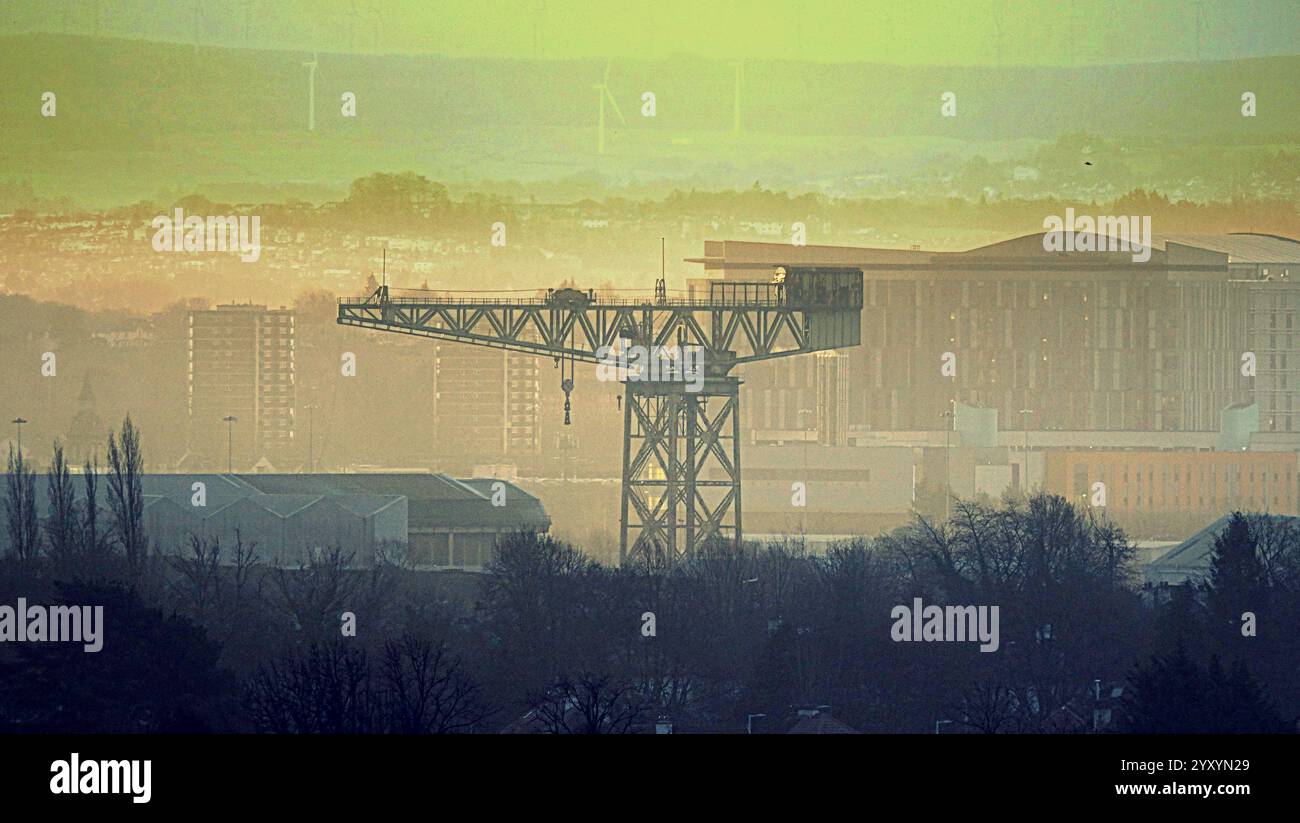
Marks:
<point>681,449</point>
<point>681,470</point>
<point>752,331</point>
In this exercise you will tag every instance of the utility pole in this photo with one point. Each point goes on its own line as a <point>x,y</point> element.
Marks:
<point>229,420</point>
<point>18,421</point>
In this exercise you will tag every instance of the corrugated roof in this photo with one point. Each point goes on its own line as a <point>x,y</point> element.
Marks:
<point>415,485</point>
<point>433,500</point>
<point>483,486</point>
<point>284,505</point>
<point>220,490</point>
<point>518,513</point>
<point>1240,248</point>
<point>364,505</point>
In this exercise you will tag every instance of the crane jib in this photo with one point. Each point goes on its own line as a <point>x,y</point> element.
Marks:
<point>685,419</point>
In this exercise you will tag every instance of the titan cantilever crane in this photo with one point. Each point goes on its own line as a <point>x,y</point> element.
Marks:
<point>681,459</point>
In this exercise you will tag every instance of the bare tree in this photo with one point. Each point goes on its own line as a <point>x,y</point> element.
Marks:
<point>589,705</point>
<point>425,691</point>
<point>536,591</point>
<point>20,506</point>
<point>315,593</point>
<point>200,576</point>
<point>126,494</point>
<point>61,525</point>
<point>987,707</point>
<point>326,691</point>
<point>92,542</point>
<point>1277,544</point>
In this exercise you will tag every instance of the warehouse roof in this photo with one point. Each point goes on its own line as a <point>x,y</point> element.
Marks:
<point>433,500</point>
<point>421,485</point>
<point>1243,247</point>
<point>1190,560</point>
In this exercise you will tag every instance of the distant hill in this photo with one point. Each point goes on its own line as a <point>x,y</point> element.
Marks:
<point>129,88</point>
<point>170,113</point>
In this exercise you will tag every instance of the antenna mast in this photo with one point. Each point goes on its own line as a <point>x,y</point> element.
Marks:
<point>661,285</point>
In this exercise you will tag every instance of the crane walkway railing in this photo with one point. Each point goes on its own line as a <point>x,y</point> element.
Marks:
<point>599,303</point>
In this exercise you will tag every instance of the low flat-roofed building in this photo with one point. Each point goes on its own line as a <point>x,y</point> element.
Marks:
<point>450,523</point>
<point>845,489</point>
<point>1210,482</point>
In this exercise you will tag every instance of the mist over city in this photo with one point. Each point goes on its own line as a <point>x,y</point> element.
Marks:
<point>543,367</point>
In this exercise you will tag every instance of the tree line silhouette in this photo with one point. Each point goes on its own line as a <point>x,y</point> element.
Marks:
<point>207,637</point>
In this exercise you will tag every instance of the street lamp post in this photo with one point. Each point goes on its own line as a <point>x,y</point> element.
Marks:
<point>311,438</point>
<point>18,421</point>
<point>803,425</point>
<point>947,458</point>
<point>1024,417</point>
<point>939,723</point>
<point>749,723</point>
<point>229,420</point>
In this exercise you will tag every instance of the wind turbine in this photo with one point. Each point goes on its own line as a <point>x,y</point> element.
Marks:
<point>198,23</point>
<point>1200,19</point>
<point>353,15</point>
<point>602,91</point>
<point>539,22</point>
<point>311,92</point>
<point>997,33</point>
<point>378,20</point>
<point>739,66</point>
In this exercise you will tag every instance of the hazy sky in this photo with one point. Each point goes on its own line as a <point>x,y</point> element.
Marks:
<point>1048,32</point>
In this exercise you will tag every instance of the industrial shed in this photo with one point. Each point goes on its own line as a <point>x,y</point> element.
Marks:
<point>451,524</point>
<point>285,529</point>
<point>435,521</point>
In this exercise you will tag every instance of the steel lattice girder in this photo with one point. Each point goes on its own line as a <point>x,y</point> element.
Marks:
<point>752,332</point>
<point>675,433</point>
<point>681,469</point>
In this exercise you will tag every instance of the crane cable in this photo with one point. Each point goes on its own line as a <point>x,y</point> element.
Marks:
<point>567,383</point>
